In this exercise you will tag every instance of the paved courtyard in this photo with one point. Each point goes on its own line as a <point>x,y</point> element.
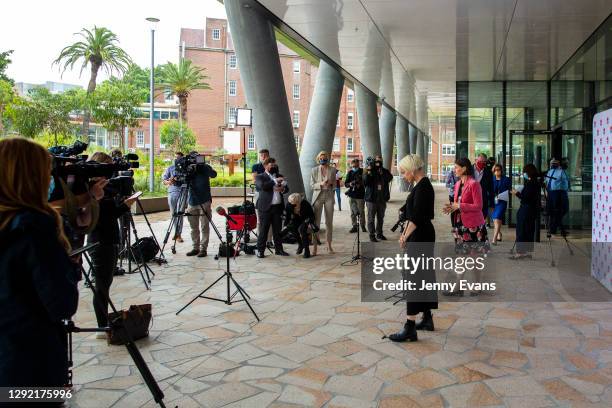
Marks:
<point>318,345</point>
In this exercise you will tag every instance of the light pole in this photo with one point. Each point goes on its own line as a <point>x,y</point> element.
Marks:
<point>152,21</point>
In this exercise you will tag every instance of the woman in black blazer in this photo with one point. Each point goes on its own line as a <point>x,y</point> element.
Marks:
<point>527,216</point>
<point>415,239</point>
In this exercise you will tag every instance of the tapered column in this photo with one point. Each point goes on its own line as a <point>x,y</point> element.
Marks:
<point>262,77</point>
<point>403,145</point>
<point>368,121</point>
<point>420,145</point>
<point>387,135</point>
<point>322,119</point>
<point>413,137</point>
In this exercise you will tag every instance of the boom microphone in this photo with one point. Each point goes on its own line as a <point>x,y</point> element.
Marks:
<point>221,211</point>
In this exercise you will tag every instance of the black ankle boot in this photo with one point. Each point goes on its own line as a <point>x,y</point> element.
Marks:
<point>408,334</point>
<point>427,322</point>
<point>300,248</point>
<point>306,252</point>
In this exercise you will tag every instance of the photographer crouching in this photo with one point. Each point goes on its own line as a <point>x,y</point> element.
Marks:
<point>299,216</point>
<point>106,233</point>
<point>38,281</point>
<point>376,181</point>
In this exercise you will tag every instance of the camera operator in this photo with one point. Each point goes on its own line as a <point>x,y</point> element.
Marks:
<point>557,205</point>
<point>356,192</point>
<point>174,192</point>
<point>258,168</point>
<point>106,233</point>
<point>199,201</point>
<point>38,281</point>
<point>376,180</point>
<point>271,186</point>
<point>299,215</point>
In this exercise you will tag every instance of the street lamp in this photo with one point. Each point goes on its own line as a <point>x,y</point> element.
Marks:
<point>152,21</point>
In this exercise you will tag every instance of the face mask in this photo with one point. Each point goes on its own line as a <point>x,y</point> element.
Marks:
<point>51,188</point>
<point>480,164</point>
<point>555,166</point>
<point>525,176</point>
<point>274,170</point>
<point>323,161</point>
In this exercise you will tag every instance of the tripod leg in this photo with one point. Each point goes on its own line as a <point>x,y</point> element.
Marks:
<point>200,294</point>
<point>244,296</point>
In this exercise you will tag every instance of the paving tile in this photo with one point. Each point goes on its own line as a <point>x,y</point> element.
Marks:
<point>224,394</point>
<point>469,395</point>
<point>242,353</point>
<point>428,379</point>
<point>515,386</point>
<point>305,377</point>
<point>356,386</point>
<point>304,396</point>
<point>249,372</point>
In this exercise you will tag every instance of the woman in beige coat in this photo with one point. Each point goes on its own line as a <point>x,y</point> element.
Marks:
<point>323,183</point>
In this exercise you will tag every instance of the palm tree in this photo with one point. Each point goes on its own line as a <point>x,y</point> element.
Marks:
<point>97,48</point>
<point>180,79</point>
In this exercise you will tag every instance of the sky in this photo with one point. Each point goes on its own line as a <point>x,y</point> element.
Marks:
<point>37,30</point>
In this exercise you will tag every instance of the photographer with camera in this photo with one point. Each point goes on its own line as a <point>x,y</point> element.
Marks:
<point>38,281</point>
<point>104,256</point>
<point>271,186</point>
<point>199,205</point>
<point>356,192</point>
<point>557,205</point>
<point>376,180</point>
<point>299,216</point>
<point>170,179</point>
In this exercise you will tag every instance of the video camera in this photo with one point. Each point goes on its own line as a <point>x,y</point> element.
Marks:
<point>187,166</point>
<point>371,163</point>
<point>73,168</point>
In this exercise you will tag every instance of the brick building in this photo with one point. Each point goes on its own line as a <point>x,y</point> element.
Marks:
<point>211,113</point>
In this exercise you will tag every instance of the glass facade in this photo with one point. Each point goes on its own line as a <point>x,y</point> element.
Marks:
<point>521,122</point>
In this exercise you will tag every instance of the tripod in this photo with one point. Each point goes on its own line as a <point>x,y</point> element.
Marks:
<point>357,257</point>
<point>127,251</point>
<point>177,215</point>
<point>118,325</point>
<point>227,274</point>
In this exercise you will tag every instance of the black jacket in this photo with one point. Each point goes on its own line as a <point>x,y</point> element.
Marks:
<point>372,180</point>
<point>107,229</point>
<point>486,185</point>
<point>265,186</point>
<point>306,213</point>
<point>38,288</point>
<point>358,189</point>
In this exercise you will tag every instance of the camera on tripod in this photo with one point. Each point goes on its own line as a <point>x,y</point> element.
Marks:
<point>187,166</point>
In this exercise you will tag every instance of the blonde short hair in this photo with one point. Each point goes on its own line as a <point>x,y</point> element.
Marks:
<point>321,153</point>
<point>411,162</point>
<point>100,157</point>
<point>294,198</point>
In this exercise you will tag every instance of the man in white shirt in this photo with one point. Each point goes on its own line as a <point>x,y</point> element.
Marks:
<point>270,204</point>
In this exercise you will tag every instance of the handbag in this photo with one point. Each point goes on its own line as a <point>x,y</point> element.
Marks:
<point>136,321</point>
<point>144,250</point>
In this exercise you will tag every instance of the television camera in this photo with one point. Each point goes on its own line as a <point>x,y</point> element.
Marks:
<point>187,166</point>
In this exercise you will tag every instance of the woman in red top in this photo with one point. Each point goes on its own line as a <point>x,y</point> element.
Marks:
<point>470,231</point>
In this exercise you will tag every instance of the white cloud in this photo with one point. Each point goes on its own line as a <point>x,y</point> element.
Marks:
<point>37,31</point>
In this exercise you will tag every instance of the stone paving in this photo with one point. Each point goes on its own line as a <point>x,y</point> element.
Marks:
<point>317,345</point>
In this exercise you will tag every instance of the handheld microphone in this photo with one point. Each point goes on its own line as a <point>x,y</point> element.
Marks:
<point>221,211</point>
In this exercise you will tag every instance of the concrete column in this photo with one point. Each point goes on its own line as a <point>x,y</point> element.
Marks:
<point>260,69</point>
<point>403,145</point>
<point>322,119</point>
<point>367,115</point>
<point>413,137</point>
<point>386,128</point>
<point>420,144</point>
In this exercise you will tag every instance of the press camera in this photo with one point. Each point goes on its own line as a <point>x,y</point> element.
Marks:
<point>187,166</point>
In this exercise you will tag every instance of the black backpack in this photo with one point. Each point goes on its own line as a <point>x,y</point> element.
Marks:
<point>147,247</point>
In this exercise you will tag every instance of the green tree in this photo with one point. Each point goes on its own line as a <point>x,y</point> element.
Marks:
<point>44,111</point>
<point>6,97</point>
<point>114,105</point>
<point>5,60</point>
<point>98,48</point>
<point>180,80</point>
<point>139,78</point>
<point>172,133</point>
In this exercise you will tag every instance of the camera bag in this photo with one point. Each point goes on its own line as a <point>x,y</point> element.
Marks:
<point>136,321</point>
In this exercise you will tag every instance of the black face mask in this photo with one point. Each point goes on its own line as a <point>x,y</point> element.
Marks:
<point>274,170</point>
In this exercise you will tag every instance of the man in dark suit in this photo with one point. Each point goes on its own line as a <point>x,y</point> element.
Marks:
<point>270,204</point>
